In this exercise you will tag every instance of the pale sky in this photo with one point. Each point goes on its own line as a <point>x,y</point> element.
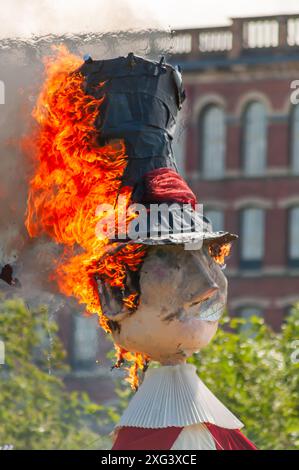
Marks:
<point>27,17</point>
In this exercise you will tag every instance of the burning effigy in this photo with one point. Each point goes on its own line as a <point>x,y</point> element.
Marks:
<point>103,165</point>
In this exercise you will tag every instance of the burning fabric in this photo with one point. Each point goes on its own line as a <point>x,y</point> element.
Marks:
<point>74,174</point>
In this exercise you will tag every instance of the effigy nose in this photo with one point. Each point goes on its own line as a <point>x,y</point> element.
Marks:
<point>202,283</point>
<point>202,288</point>
<point>203,294</point>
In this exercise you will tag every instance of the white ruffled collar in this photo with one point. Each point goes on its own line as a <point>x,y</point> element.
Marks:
<point>175,396</point>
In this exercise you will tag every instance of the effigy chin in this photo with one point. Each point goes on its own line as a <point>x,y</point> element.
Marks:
<point>180,284</point>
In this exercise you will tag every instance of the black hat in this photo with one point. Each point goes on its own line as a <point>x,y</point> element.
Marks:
<point>141,105</point>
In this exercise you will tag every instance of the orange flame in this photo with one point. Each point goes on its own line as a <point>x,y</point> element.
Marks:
<point>73,176</point>
<point>140,362</point>
<point>219,252</point>
<point>130,300</point>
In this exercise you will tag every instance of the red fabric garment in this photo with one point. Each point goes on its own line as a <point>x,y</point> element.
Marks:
<point>131,438</point>
<point>229,439</point>
<point>165,185</point>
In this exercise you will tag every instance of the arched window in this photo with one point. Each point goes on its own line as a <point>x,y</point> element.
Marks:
<point>85,342</point>
<point>294,236</point>
<point>216,217</point>
<point>246,313</point>
<point>295,139</point>
<point>254,139</point>
<point>252,237</point>
<point>250,311</point>
<point>213,141</point>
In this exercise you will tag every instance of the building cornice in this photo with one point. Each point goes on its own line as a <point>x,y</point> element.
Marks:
<point>288,202</point>
<point>239,302</point>
<point>256,202</point>
<point>265,272</point>
<point>237,174</point>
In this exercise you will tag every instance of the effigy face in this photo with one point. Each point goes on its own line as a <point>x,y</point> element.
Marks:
<point>182,296</point>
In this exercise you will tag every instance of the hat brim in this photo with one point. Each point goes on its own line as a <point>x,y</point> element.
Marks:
<point>189,238</point>
<point>196,239</point>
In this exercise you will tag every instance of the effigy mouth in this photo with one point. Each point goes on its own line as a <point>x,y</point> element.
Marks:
<point>212,309</point>
<point>209,308</point>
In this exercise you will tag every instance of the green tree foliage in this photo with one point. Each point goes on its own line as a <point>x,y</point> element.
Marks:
<point>254,372</point>
<point>251,369</point>
<point>36,411</point>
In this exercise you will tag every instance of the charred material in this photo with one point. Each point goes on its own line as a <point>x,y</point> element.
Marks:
<point>114,326</point>
<point>6,275</point>
<point>142,100</point>
<point>113,298</point>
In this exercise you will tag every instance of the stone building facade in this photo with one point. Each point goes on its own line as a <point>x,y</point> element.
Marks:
<point>240,152</point>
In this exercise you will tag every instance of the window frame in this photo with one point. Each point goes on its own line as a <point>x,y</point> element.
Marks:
<point>243,149</point>
<point>293,262</point>
<point>201,133</point>
<point>77,363</point>
<point>257,263</point>
<point>222,215</point>
<point>294,118</point>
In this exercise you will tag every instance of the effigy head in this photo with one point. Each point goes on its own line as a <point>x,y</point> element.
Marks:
<point>179,292</point>
<point>182,296</point>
